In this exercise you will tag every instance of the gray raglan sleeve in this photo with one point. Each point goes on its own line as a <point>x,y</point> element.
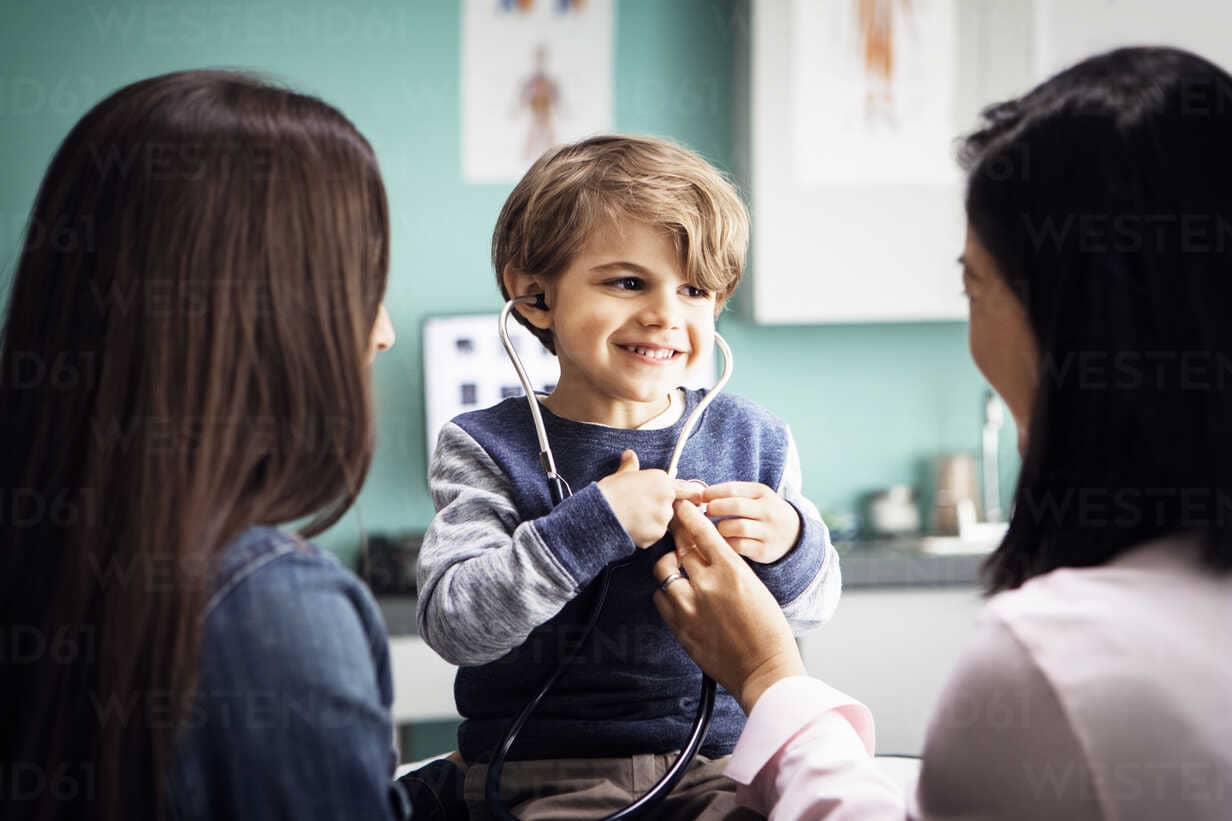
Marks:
<point>487,579</point>
<point>807,581</point>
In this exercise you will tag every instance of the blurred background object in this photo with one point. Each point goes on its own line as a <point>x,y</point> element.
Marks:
<point>893,512</point>
<point>387,564</point>
<point>990,456</point>
<point>956,493</point>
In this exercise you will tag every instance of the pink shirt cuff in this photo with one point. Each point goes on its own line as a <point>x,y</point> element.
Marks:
<point>785,709</point>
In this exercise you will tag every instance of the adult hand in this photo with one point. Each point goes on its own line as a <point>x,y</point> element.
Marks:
<point>722,614</point>
<point>760,524</point>
<point>642,499</point>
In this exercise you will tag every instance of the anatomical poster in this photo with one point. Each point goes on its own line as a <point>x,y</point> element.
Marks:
<point>875,83</point>
<point>535,73</point>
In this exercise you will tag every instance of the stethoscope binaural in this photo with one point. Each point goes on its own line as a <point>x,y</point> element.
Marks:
<point>560,489</point>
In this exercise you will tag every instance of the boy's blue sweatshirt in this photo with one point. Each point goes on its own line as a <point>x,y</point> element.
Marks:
<point>506,582</point>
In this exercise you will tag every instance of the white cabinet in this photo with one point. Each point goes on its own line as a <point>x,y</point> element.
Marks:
<point>1072,29</point>
<point>894,651</point>
<point>871,249</point>
<point>423,681</point>
<point>857,252</point>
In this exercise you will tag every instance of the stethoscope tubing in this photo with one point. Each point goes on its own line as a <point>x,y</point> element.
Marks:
<point>560,490</point>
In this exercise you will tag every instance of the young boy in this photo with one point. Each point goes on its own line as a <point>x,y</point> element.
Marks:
<point>635,244</point>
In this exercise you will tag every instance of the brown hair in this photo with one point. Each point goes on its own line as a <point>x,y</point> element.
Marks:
<point>184,356</point>
<point>572,189</point>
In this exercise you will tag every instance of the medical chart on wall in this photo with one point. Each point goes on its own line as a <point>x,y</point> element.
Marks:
<point>535,73</point>
<point>875,83</point>
<point>466,367</point>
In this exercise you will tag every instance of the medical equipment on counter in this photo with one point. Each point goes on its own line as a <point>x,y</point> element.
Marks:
<point>560,489</point>
<point>994,418</point>
<point>956,490</point>
<point>893,512</point>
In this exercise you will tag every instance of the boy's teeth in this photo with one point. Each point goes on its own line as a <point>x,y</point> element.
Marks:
<point>660,354</point>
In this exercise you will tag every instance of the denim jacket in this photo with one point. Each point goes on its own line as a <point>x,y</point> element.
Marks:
<point>291,717</point>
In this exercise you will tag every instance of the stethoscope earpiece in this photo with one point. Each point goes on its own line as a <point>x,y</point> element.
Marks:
<point>537,301</point>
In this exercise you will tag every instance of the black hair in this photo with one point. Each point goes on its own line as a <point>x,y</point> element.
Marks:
<point>1104,196</point>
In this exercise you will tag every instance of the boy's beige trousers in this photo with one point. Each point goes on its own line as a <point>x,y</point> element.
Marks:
<point>578,789</point>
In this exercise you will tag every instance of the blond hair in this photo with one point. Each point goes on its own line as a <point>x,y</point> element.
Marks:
<point>572,189</point>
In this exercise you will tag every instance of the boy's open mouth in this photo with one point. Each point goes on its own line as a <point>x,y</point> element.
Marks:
<point>652,353</point>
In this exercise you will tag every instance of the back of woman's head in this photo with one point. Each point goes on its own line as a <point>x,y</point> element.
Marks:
<point>1104,196</point>
<point>184,355</point>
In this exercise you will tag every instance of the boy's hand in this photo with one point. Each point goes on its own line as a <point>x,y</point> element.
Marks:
<point>757,522</point>
<point>642,499</point>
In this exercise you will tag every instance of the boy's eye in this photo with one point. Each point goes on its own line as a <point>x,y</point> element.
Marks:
<point>626,283</point>
<point>696,293</point>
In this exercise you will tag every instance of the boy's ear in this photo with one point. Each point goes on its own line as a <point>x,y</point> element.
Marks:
<point>519,283</point>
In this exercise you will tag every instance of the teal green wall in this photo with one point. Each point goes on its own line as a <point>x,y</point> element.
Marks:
<point>869,404</point>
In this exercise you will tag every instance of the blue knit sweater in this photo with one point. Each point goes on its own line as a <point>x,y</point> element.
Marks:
<point>506,582</point>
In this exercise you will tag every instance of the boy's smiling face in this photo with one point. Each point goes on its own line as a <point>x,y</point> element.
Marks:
<point>627,325</point>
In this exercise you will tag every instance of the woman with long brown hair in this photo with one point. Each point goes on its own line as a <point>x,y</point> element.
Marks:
<point>183,369</point>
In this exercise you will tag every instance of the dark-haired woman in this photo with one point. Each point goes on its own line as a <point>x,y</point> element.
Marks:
<point>184,367</point>
<point>1099,685</point>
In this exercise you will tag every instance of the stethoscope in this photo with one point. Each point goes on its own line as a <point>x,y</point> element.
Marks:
<point>560,489</point>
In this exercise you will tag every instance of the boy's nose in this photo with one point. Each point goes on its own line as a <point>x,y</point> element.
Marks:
<point>660,310</point>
